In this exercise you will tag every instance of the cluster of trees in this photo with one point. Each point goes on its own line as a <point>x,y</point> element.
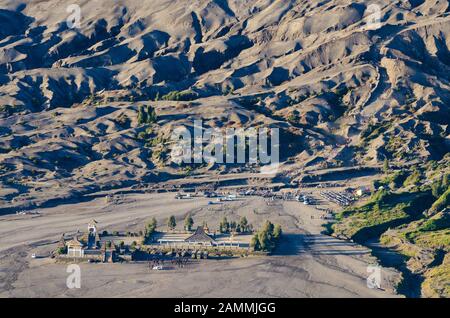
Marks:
<point>240,227</point>
<point>146,115</point>
<point>267,237</point>
<point>224,227</point>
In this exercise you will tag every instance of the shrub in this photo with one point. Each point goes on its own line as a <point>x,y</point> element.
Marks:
<point>61,250</point>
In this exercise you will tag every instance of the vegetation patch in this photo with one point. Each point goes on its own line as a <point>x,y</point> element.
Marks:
<point>384,210</point>
<point>375,130</point>
<point>187,95</point>
<point>442,202</point>
<point>436,283</point>
<point>267,237</point>
<point>146,115</point>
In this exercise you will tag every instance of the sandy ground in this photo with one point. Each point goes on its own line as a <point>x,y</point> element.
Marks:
<point>306,264</point>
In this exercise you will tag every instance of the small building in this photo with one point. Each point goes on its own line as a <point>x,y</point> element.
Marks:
<point>93,238</point>
<point>75,248</point>
<point>86,246</point>
<point>92,227</point>
<point>362,191</point>
<point>201,238</point>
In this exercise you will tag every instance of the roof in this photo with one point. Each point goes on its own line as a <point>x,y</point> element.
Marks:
<point>200,236</point>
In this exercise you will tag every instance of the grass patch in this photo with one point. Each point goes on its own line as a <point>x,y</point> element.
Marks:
<point>436,283</point>
<point>442,202</point>
<point>383,211</point>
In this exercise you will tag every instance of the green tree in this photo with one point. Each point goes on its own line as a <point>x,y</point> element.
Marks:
<point>171,222</point>
<point>255,243</point>
<point>233,226</point>
<point>265,241</point>
<point>268,227</point>
<point>142,116</point>
<point>150,228</point>
<point>188,222</point>
<point>277,232</point>
<point>224,226</point>
<point>386,165</point>
<point>243,224</point>
<point>151,114</point>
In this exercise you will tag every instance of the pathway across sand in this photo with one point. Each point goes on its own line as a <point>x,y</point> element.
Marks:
<point>307,264</point>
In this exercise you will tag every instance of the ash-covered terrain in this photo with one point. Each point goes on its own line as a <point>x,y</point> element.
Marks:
<point>343,93</point>
<point>91,91</point>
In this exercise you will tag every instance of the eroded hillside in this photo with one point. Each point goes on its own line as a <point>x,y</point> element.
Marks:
<point>343,93</point>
